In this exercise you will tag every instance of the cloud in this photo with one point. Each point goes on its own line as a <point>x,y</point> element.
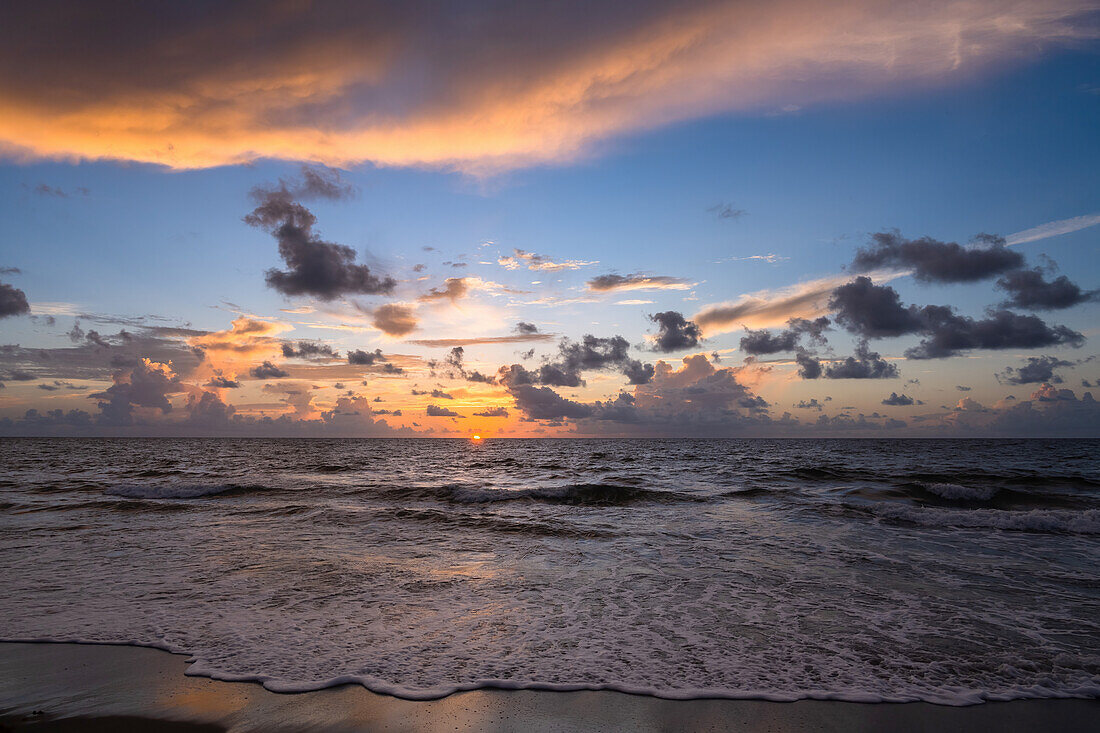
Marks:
<point>873,311</point>
<point>1053,229</point>
<point>522,327</point>
<point>519,258</point>
<point>365,358</point>
<point>437,411</point>
<point>394,319</point>
<point>147,384</point>
<point>726,211</point>
<point>811,404</point>
<point>637,281</point>
<point>1028,289</point>
<point>935,261</point>
<point>44,189</point>
<point>220,382</point>
<point>770,308</point>
<point>674,333</point>
<point>13,301</point>
<point>309,350</point>
<point>866,364</point>
<point>324,270</point>
<point>476,340</point>
<point>756,343</point>
<point>949,334</point>
<point>1036,369</point>
<point>574,358</point>
<point>208,410</point>
<point>221,84</point>
<point>267,370</point>
<point>492,412</point>
<point>454,288</point>
<point>897,400</point>
<point>696,399</point>
<point>247,339</point>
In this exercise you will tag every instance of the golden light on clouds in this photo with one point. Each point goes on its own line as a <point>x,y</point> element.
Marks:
<point>297,83</point>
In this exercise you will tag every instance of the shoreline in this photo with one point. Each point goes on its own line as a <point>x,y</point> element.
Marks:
<point>60,686</point>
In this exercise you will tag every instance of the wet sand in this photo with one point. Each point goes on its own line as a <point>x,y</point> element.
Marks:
<point>76,687</point>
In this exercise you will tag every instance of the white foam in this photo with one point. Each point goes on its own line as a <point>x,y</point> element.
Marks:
<point>956,491</point>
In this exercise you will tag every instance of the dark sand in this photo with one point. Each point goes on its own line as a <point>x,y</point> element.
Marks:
<point>75,687</point>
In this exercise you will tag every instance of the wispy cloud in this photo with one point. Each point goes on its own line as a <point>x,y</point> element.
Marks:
<point>476,340</point>
<point>520,258</point>
<point>1053,229</point>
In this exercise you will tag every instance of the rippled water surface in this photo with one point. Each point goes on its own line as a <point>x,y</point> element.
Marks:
<point>949,571</point>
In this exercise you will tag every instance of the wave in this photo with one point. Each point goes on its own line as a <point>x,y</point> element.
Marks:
<point>453,519</point>
<point>957,491</point>
<point>1036,520</point>
<point>585,494</point>
<point>180,491</point>
<point>948,694</point>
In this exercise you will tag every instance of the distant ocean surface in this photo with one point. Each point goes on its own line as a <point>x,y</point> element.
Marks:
<point>950,571</point>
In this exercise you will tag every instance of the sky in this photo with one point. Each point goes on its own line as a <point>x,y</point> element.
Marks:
<point>707,219</point>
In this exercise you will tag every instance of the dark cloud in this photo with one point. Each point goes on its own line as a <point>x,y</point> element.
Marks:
<point>325,270</point>
<point>437,411</point>
<point>674,332</point>
<point>394,319</point>
<point>726,211</point>
<point>388,368</point>
<point>365,358</point>
<point>809,366</point>
<point>267,370</point>
<point>948,334</point>
<point>935,261</point>
<point>1036,370</point>
<point>309,350</point>
<point>897,400</point>
<point>54,418</point>
<point>576,357</point>
<point>208,411</point>
<point>866,364</point>
<point>763,342</point>
<point>13,301</point>
<point>526,328</point>
<point>812,404</point>
<point>636,281</point>
<point>873,311</point>
<point>18,375</point>
<point>492,412</point>
<point>220,382</point>
<point>454,288</point>
<point>1029,289</point>
<point>436,393</point>
<point>543,403</point>
<point>962,388</point>
<point>147,384</point>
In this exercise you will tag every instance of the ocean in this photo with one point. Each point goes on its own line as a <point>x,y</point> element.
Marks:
<point>948,571</point>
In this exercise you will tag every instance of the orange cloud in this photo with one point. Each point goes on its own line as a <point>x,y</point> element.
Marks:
<point>232,84</point>
<point>246,342</point>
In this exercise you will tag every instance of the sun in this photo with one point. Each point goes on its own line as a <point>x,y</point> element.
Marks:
<point>475,438</point>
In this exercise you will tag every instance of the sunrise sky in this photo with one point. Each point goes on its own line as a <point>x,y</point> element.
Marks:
<point>797,218</point>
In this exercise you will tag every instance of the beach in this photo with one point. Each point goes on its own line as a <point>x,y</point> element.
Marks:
<point>86,687</point>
